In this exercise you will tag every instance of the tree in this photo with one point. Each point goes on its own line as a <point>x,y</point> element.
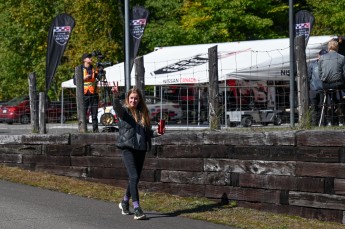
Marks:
<point>207,21</point>
<point>22,37</point>
<point>329,17</point>
<point>24,30</point>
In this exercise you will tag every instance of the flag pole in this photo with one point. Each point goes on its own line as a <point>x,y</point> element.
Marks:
<point>292,75</point>
<point>127,55</point>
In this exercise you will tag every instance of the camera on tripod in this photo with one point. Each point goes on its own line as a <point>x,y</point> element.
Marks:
<point>101,65</point>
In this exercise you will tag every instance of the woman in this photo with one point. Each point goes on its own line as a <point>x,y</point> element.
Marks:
<point>135,135</point>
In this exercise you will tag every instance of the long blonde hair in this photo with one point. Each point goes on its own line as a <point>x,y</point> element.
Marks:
<point>142,108</point>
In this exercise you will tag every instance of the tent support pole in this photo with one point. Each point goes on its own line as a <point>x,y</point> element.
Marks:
<point>62,106</point>
<point>292,71</point>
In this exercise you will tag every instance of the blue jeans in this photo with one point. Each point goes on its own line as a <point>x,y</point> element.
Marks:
<point>134,162</point>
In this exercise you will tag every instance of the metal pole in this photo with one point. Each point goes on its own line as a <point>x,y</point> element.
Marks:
<point>62,106</point>
<point>225,104</point>
<point>127,46</point>
<point>199,105</point>
<point>292,75</point>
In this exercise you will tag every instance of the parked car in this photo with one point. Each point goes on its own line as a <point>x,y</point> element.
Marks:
<point>171,111</point>
<point>2,103</point>
<point>17,110</point>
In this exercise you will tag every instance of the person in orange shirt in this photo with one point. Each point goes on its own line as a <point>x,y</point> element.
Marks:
<point>90,89</point>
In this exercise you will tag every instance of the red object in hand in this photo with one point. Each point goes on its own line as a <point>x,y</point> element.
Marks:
<point>161,126</point>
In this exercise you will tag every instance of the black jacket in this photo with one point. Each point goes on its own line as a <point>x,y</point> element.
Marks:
<point>132,135</point>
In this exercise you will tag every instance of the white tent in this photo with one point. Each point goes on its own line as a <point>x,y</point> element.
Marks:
<point>250,60</point>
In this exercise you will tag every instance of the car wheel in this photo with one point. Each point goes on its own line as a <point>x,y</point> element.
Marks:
<point>64,119</point>
<point>165,116</point>
<point>232,124</point>
<point>107,119</point>
<point>277,121</point>
<point>25,119</point>
<point>246,121</point>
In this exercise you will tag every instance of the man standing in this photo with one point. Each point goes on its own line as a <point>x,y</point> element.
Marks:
<point>90,89</point>
<point>315,89</point>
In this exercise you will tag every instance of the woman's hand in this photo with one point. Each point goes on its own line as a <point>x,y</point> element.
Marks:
<point>115,89</point>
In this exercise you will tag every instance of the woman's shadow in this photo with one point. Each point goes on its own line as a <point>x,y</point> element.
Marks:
<point>201,208</point>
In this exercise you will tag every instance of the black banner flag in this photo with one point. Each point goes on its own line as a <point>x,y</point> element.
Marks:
<point>138,21</point>
<point>304,22</point>
<point>58,37</point>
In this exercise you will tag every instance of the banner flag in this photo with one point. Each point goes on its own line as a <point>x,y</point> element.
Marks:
<point>58,37</point>
<point>138,21</point>
<point>304,22</point>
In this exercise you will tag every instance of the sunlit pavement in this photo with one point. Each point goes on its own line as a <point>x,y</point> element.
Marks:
<point>25,207</point>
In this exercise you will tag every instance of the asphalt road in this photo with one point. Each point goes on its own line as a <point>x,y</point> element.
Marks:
<point>52,128</point>
<point>26,207</point>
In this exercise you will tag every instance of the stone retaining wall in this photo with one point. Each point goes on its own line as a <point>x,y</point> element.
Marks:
<point>294,172</point>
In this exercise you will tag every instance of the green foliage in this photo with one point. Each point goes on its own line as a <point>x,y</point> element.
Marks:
<point>24,34</point>
<point>193,22</point>
<point>329,17</point>
<point>99,25</point>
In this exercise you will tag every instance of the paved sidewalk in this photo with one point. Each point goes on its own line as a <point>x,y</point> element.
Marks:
<point>24,207</point>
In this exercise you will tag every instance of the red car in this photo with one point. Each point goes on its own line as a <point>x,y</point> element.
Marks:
<point>17,110</point>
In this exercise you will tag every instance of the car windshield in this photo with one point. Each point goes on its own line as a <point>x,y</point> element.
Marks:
<point>17,100</point>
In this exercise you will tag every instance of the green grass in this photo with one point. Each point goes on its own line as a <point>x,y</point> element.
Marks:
<point>196,208</point>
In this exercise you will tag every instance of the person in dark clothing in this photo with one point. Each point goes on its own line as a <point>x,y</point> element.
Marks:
<point>315,89</point>
<point>90,89</point>
<point>135,135</point>
<point>332,73</point>
<point>332,67</point>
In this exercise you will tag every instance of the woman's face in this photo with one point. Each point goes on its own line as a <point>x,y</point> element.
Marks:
<point>133,100</point>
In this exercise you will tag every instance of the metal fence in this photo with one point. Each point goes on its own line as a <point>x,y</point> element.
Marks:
<point>187,105</point>
<point>263,102</point>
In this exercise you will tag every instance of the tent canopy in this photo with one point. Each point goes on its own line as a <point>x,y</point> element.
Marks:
<point>188,64</point>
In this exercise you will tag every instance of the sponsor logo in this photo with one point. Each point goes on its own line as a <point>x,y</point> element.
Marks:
<point>192,62</point>
<point>285,72</point>
<point>181,80</point>
<point>137,27</point>
<point>188,80</point>
<point>61,34</point>
<point>171,81</point>
<point>303,29</point>
<point>183,64</point>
